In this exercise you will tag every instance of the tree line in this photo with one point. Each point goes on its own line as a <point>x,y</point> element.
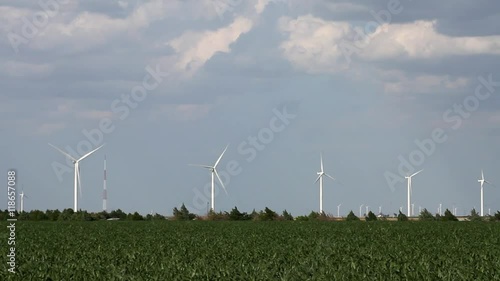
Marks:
<point>183,214</point>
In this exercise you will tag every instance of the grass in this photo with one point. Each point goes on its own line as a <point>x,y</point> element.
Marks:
<point>204,250</point>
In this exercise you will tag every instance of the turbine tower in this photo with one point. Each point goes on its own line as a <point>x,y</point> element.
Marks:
<point>321,174</point>
<point>76,163</point>
<point>213,171</point>
<point>105,190</point>
<point>482,181</point>
<point>410,191</point>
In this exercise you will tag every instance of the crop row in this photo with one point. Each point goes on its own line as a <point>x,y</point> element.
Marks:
<point>203,250</point>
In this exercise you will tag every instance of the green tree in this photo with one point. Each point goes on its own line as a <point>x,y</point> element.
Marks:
<point>371,216</point>
<point>497,216</point>
<point>53,215</point>
<point>220,216</point>
<point>183,214</point>
<point>402,217</point>
<point>158,217</point>
<point>38,215</point>
<point>135,217</point>
<point>254,215</point>
<point>66,215</point>
<point>118,214</point>
<point>351,217</point>
<point>425,215</point>
<point>474,216</point>
<point>267,215</point>
<point>235,214</point>
<point>313,215</point>
<point>81,216</point>
<point>287,216</point>
<point>448,216</point>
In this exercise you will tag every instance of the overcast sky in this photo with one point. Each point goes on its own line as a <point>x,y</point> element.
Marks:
<point>382,89</point>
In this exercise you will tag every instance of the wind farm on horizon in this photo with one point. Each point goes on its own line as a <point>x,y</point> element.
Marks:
<point>217,181</point>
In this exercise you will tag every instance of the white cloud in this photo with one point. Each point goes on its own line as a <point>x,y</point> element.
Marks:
<point>76,30</point>
<point>88,29</point>
<point>396,82</point>
<point>317,46</point>
<point>11,17</point>
<point>180,112</point>
<point>49,128</point>
<point>421,40</point>
<point>22,69</point>
<point>194,49</point>
<point>313,44</point>
<point>94,114</point>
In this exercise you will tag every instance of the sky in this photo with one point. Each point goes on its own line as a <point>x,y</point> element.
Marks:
<point>382,89</point>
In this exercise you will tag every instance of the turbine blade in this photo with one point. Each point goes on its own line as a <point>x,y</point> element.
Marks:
<point>416,173</point>
<point>204,166</point>
<point>220,157</point>
<point>223,187</point>
<point>321,157</point>
<point>489,183</point>
<point>317,179</point>
<point>330,176</point>
<point>482,175</point>
<point>79,181</point>
<point>86,155</point>
<point>67,155</point>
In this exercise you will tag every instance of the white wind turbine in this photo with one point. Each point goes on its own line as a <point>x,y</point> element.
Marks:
<point>76,162</point>
<point>213,171</point>
<point>482,181</point>
<point>410,191</point>
<point>21,197</point>
<point>321,174</point>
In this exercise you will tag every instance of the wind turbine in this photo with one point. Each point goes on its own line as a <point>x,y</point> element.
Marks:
<point>338,210</point>
<point>76,162</point>
<point>360,208</point>
<point>213,171</point>
<point>320,179</point>
<point>22,195</point>
<point>482,181</point>
<point>410,191</point>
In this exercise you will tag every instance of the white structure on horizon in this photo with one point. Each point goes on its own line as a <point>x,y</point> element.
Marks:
<point>105,189</point>
<point>76,163</point>
<point>482,181</point>
<point>410,192</point>
<point>213,172</point>
<point>321,174</point>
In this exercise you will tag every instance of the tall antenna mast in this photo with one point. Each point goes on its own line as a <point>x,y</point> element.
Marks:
<point>104,192</point>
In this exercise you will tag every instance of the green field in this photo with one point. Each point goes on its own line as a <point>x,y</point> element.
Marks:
<point>203,250</point>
